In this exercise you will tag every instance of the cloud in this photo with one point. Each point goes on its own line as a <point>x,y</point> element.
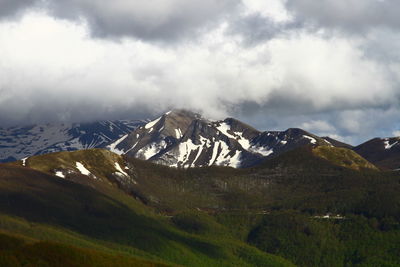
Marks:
<point>318,126</point>
<point>396,133</point>
<point>160,20</point>
<point>11,8</point>
<point>262,65</point>
<point>353,16</point>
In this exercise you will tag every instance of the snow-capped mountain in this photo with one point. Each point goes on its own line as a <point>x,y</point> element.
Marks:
<point>383,152</point>
<point>21,142</point>
<point>182,138</point>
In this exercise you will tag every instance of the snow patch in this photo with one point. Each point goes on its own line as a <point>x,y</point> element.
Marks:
<point>205,142</point>
<point>185,149</point>
<point>224,128</point>
<point>24,161</point>
<point>235,160</point>
<point>313,140</point>
<point>214,154</point>
<point>245,143</point>
<point>265,151</point>
<point>150,150</point>
<point>388,145</point>
<point>222,157</point>
<point>113,146</point>
<point>152,123</point>
<point>178,133</point>
<point>119,169</point>
<point>82,169</point>
<point>197,156</point>
<point>329,143</point>
<point>60,174</point>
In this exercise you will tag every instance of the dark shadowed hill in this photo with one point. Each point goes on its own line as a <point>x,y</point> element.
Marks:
<point>384,153</point>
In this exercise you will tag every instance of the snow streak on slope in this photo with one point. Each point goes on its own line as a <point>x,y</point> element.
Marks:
<point>119,169</point>
<point>82,169</point>
<point>388,145</point>
<point>185,150</point>
<point>178,133</point>
<point>60,174</point>
<point>151,124</point>
<point>151,150</point>
<point>245,143</point>
<point>113,147</point>
<point>313,140</point>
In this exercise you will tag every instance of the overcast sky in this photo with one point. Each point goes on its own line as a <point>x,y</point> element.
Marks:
<point>331,67</point>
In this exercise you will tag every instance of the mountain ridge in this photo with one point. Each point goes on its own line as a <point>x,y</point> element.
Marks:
<point>181,138</point>
<point>20,142</point>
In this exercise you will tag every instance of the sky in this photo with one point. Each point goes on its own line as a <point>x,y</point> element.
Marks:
<point>331,67</point>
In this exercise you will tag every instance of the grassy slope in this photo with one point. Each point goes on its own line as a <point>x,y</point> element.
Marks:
<point>101,219</point>
<point>307,179</point>
<point>343,157</point>
<point>18,251</point>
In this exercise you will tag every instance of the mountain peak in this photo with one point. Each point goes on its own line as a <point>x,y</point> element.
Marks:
<point>183,138</point>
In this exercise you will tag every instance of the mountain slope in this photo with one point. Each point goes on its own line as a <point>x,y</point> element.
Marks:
<point>21,142</point>
<point>343,157</point>
<point>302,186</point>
<point>206,188</point>
<point>384,153</point>
<point>44,199</point>
<point>181,138</point>
<point>22,251</point>
<point>337,143</point>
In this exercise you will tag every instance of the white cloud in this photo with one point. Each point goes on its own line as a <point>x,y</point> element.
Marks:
<point>273,9</point>
<point>396,133</point>
<point>318,126</point>
<point>332,83</point>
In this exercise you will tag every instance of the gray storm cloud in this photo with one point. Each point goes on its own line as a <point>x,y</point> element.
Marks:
<point>149,20</point>
<point>221,58</point>
<point>10,9</point>
<point>356,16</point>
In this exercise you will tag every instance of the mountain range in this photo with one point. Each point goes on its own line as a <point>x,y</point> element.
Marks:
<point>182,138</point>
<point>21,142</point>
<point>163,193</point>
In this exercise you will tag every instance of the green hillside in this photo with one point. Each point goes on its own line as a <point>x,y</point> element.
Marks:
<point>343,157</point>
<point>315,206</point>
<point>90,217</point>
